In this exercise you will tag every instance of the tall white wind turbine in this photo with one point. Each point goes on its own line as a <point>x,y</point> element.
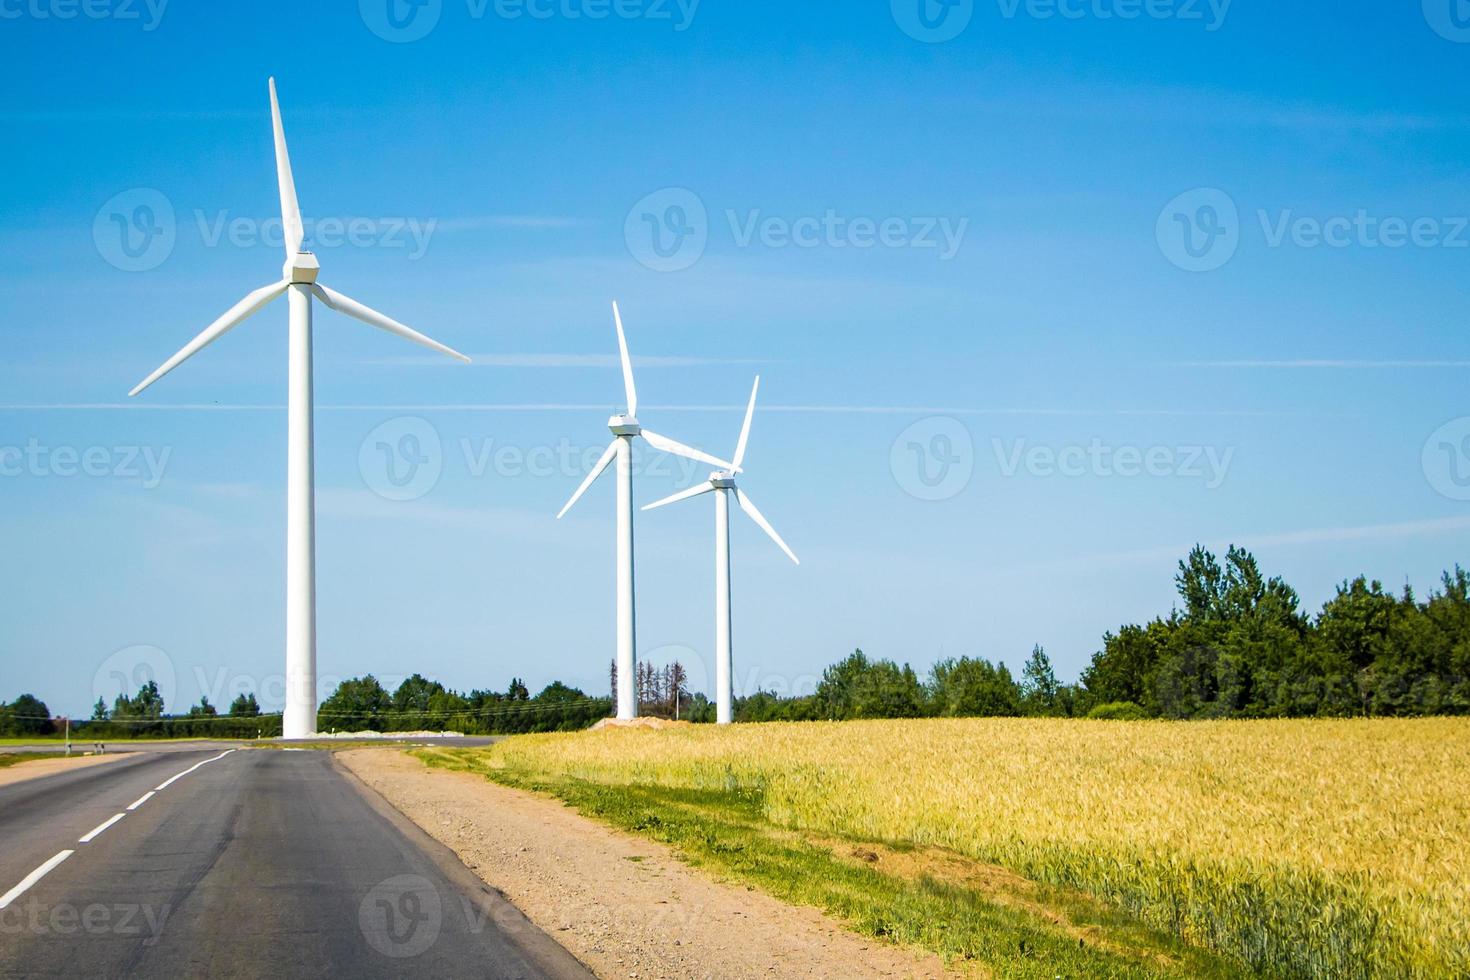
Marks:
<point>625,428</point>
<point>722,484</point>
<point>299,282</point>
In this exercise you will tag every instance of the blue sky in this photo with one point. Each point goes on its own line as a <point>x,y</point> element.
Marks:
<point>1036,307</point>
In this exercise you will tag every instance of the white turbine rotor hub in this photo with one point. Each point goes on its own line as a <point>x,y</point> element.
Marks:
<point>624,425</point>
<point>301,269</point>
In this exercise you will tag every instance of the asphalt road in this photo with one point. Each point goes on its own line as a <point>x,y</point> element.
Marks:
<point>255,863</point>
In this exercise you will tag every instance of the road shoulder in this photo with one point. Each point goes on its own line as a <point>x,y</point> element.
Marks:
<point>620,904</point>
<point>48,765</point>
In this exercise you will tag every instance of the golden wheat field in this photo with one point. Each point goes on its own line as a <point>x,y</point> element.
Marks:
<point>1304,848</point>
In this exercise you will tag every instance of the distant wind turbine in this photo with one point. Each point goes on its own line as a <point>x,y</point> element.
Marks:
<point>723,484</point>
<point>625,428</point>
<point>299,281</point>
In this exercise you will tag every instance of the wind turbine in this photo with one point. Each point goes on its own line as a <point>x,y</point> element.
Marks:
<point>625,428</point>
<point>299,282</point>
<point>722,484</point>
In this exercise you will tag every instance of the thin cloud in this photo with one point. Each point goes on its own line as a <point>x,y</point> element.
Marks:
<point>1328,365</point>
<point>601,406</point>
<point>1281,539</point>
<point>515,221</point>
<point>563,361</point>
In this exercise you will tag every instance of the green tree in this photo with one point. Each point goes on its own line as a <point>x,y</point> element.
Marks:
<point>973,687</point>
<point>359,703</point>
<point>244,706</point>
<point>1039,687</point>
<point>26,715</point>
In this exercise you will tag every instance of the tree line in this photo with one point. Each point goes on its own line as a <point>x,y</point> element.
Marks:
<point>1236,645</point>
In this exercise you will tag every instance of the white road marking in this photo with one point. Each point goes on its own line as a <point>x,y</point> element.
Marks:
<point>32,878</point>
<point>97,830</point>
<point>177,776</point>
<point>46,868</point>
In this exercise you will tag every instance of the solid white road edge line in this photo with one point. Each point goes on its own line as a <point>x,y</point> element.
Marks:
<point>177,776</point>
<point>141,800</point>
<point>32,878</point>
<point>97,830</point>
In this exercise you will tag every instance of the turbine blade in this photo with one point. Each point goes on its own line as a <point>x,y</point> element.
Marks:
<point>745,429</point>
<point>290,210</point>
<point>231,318</point>
<point>750,509</point>
<point>704,487</point>
<point>607,457</point>
<point>628,389</point>
<point>351,307</point>
<point>667,445</point>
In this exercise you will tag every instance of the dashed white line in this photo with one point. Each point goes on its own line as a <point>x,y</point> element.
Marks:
<point>97,830</point>
<point>32,878</point>
<point>46,868</point>
<point>177,776</point>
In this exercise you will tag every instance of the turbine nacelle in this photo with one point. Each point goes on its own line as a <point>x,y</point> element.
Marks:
<point>624,425</point>
<point>722,481</point>
<point>301,269</point>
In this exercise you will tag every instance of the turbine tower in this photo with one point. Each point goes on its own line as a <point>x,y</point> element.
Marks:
<point>625,428</point>
<point>299,282</point>
<point>722,484</point>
